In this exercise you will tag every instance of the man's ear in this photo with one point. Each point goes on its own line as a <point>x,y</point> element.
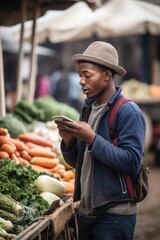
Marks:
<point>108,75</point>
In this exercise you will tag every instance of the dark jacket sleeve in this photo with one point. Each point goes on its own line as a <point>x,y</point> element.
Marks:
<point>70,154</point>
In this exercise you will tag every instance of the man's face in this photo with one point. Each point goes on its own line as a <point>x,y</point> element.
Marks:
<point>92,79</point>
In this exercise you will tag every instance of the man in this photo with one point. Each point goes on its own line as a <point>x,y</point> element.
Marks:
<point>105,211</point>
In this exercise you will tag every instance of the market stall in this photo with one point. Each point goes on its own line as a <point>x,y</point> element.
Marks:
<point>147,96</point>
<point>34,175</point>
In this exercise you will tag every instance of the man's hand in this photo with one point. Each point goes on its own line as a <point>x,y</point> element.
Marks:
<point>71,130</point>
<point>65,135</point>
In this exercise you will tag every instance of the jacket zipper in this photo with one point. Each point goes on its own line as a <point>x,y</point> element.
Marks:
<point>122,183</point>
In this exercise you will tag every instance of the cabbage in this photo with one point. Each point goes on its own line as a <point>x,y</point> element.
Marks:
<point>46,183</point>
<point>51,197</point>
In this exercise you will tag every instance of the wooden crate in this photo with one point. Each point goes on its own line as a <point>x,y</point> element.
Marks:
<point>64,221</point>
<point>39,230</point>
<point>60,225</point>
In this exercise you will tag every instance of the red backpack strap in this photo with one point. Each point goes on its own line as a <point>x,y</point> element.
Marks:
<point>112,116</point>
<point>113,136</point>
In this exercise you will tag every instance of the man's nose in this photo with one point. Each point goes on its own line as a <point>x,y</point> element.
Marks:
<point>82,81</point>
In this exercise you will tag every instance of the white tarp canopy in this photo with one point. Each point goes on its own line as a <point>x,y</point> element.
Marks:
<point>11,45</point>
<point>127,17</point>
<point>74,23</point>
<point>114,18</point>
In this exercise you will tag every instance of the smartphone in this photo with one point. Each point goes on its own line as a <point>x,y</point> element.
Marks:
<point>61,118</point>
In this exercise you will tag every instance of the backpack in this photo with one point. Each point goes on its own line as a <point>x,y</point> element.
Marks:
<point>140,190</point>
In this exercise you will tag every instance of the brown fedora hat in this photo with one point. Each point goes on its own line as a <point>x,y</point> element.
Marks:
<point>103,54</point>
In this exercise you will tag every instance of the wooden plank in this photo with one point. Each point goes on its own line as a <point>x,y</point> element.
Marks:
<point>34,230</point>
<point>2,85</point>
<point>60,218</point>
<point>54,223</point>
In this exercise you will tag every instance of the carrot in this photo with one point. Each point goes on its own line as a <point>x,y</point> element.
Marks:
<point>61,172</point>
<point>39,168</point>
<point>33,145</point>
<point>34,152</point>
<point>3,155</point>
<point>72,180</point>
<point>3,131</point>
<point>14,147</point>
<point>61,166</point>
<point>69,187</point>
<point>57,175</point>
<point>24,154</point>
<point>14,157</point>
<point>69,175</point>
<point>35,138</point>
<point>23,161</point>
<point>3,139</point>
<point>26,148</point>
<point>17,153</point>
<point>19,144</point>
<point>58,167</point>
<point>45,162</point>
<point>6,147</point>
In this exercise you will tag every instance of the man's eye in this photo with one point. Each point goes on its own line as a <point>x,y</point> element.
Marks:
<point>87,76</point>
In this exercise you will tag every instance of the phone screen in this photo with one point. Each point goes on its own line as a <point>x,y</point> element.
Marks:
<point>61,118</point>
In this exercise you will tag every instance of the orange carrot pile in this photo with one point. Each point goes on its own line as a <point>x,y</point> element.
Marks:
<point>34,138</point>
<point>37,152</point>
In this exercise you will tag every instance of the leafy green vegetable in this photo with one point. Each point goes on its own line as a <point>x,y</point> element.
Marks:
<point>23,116</point>
<point>52,107</point>
<point>16,183</point>
<point>17,180</point>
<point>6,224</point>
<point>13,125</point>
<point>8,216</point>
<point>30,109</point>
<point>8,204</point>
<point>6,235</point>
<point>8,210</point>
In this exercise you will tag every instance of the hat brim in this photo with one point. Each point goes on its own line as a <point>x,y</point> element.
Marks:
<point>118,69</point>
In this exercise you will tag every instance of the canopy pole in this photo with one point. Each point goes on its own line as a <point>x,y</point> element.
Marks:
<point>33,61</point>
<point>21,54</point>
<point>2,87</point>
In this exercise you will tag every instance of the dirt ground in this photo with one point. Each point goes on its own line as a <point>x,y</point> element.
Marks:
<point>148,222</point>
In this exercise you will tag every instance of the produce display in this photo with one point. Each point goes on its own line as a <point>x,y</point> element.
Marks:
<point>33,172</point>
<point>13,125</point>
<point>32,177</point>
<point>42,110</point>
<point>52,107</point>
<point>140,90</point>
